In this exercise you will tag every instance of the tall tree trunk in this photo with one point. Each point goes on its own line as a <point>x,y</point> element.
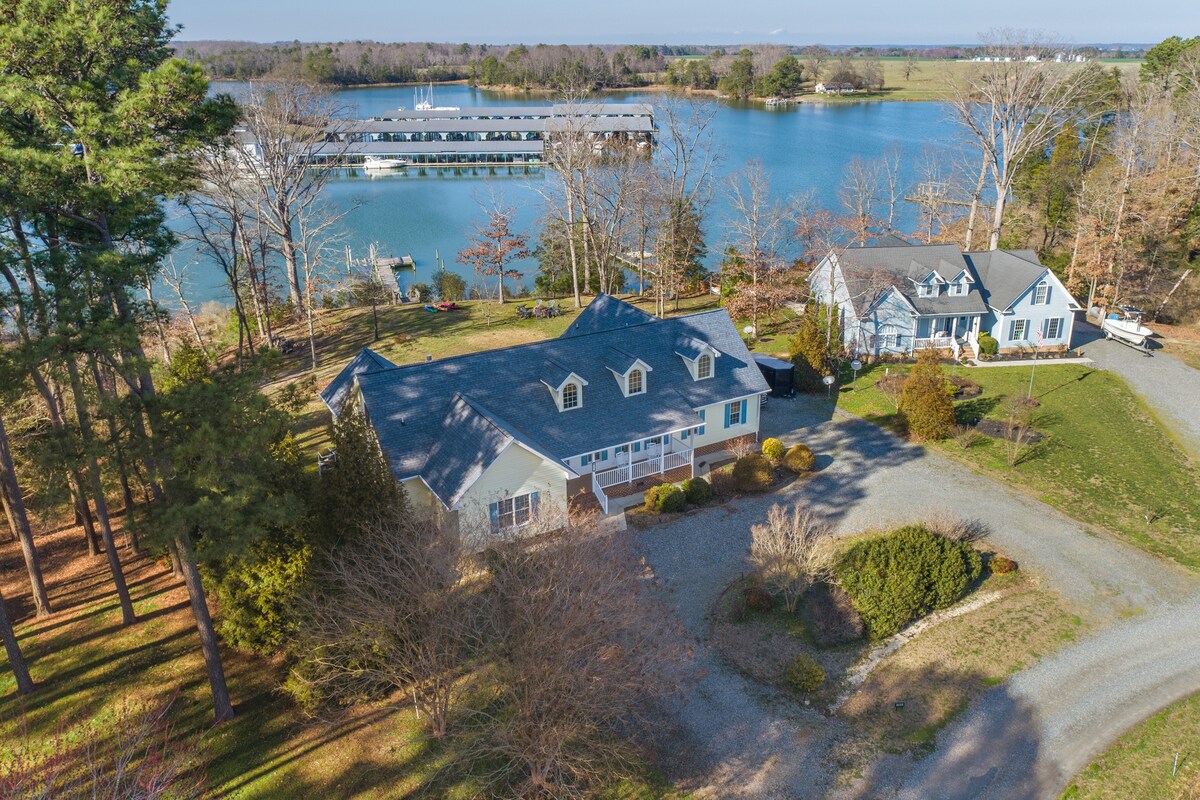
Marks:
<point>998,215</point>
<point>222,707</point>
<point>571,247</point>
<point>107,395</point>
<point>16,661</point>
<point>93,470</point>
<point>974,213</point>
<point>288,247</point>
<point>14,508</point>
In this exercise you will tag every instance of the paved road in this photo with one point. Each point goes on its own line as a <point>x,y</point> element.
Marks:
<point>737,740</point>
<point>1168,385</point>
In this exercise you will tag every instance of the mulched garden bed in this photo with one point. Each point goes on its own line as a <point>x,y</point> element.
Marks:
<point>999,429</point>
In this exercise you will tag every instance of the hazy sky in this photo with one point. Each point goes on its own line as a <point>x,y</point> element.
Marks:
<point>681,21</point>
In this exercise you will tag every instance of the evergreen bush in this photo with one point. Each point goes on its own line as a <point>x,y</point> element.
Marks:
<point>670,499</point>
<point>799,458</point>
<point>753,473</point>
<point>804,675</point>
<point>988,346</point>
<point>924,404</point>
<point>898,577</point>
<point>698,491</point>
<point>774,449</point>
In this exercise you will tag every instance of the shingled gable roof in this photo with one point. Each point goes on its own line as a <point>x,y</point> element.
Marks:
<point>334,395</point>
<point>1007,274</point>
<point>869,272</point>
<point>606,313</point>
<point>420,411</point>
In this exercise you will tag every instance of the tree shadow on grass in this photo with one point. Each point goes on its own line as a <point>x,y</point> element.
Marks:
<point>969,412</point>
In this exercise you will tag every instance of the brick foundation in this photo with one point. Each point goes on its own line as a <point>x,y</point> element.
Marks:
<point>717,447</point>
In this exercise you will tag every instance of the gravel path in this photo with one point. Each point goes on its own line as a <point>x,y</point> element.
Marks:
<point>1168,385</point>
<point>737,739</point>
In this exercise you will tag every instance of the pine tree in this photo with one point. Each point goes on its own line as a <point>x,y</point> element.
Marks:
<point>810,350</point>
<point>924,404</point>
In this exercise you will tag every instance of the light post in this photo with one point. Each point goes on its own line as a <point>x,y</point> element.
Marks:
<point>855,366</point>
<point>828,380</point>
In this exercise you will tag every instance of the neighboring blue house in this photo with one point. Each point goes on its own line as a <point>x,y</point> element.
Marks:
<point>621,401</point>
<point>898,298</point>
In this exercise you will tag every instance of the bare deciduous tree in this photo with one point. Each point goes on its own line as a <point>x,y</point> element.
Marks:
<point>757,231</point>
<point>860,187</point>
<point>791,551</point>
<point>1011,108</point>
<point>393,615</point>
<point>585,651</point>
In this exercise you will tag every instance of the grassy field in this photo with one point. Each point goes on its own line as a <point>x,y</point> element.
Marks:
<point>85,665</point>
<point>1105,458</point>
<point>1139,764</point>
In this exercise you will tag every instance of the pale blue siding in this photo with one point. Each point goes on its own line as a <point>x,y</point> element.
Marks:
<point>1033,317</point>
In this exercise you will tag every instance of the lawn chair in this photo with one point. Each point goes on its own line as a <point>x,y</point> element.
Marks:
<point>524,313</point>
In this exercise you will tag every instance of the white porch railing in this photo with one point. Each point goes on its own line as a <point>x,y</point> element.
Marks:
<point>973,340</point>
<point>628,473</point>
<point>938,343</point>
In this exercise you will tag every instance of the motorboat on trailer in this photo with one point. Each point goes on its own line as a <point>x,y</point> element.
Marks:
<point>1127,327</point>
<point>380,164</point>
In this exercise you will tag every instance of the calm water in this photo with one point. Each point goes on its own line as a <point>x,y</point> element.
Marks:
<point>418,213</point>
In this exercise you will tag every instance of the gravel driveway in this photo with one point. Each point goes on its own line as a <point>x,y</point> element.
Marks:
<point>737,739</point>
<point>1168,385</point>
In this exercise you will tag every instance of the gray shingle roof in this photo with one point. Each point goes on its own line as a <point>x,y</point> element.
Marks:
<point>334,395</point>
<point>440,419</point>
<point>870,271</point>
<point>1006,274</point>
<point>606,313</point>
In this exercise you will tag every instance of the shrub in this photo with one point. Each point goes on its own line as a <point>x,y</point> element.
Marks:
<point>670,499</point>
<point>804,675</point>
<point>799,458</point>
<point>698,491</point>
<point>895,578</point>
<point>420,292</point>
<point>650,500</point>
<point>988,346</point>
<point>830,616</point>
<point>999,565</point>
<point>774,449</point>
<point>966,436</point>
<point>924,403</point>
<point>951,389</point>
<point>722,483</point>
<point>752,473</point>
<point>966,386</point>
<point>758,599</point>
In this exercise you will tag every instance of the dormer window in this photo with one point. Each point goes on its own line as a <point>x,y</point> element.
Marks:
<point>704,367</point>
<point>959,289</point>
<point>927,290</point>
<point>570,396</point>
<point>700,357</point>
<point>635,383</point>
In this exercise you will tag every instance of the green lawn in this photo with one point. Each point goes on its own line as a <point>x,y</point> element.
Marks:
<point>1139,764</point>
<point>1105,459</point>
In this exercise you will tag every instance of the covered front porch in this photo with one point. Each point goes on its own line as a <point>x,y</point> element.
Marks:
<point>637,465</point>
<point>956,333</point>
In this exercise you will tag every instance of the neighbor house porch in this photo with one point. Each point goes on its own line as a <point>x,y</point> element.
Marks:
<point>958,334</point>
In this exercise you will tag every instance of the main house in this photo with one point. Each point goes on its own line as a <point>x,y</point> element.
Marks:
<point>898,297</point>
<point>621,401</point>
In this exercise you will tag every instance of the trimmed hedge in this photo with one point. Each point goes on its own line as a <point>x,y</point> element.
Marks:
<point>665,498</point>
<point>753,473</point>
<point>697,490</point>
<point>774,449</point>
<point>988,346</point>
<point>799,458</point>
<point>900,576</point>
<point>804,675</point>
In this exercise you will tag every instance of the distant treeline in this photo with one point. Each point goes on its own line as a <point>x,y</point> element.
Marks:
<point>346,63</point>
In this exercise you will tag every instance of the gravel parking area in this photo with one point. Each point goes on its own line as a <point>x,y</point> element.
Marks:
<point>736,739</point>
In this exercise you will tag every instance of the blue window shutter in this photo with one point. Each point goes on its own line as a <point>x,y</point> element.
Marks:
<point>728,408</point>
<point>743,417</point>
<point>701,431</point>
<point>533,504</point>
<point>683,436</point>
<point>604,456</point>
<point>585,460</point>
<point>494,515</point>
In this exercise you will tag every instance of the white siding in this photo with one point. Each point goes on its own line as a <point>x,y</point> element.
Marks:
<point>890,315</point>
<point>714,424</point>
<point>517,471</point>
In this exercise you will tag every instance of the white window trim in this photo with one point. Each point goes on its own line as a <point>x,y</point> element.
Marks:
<point>562,397</point>
<point>512,513</point>
<point>1057,321</point>
<point>641,373</point>
<point>711,365</point>
<point>1024,326</point>
<point>735,406</point>
<point>1041,290</point>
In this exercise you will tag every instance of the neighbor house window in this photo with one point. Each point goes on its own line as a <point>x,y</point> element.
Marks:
<point>513,512</point>
<point>959,288</point>
<point>704,366</point>
<point>1041,295</point>
<point>1054,328</point>
<point>1019,328</point>
<point>927,290</point>
<point>570,396</point>
<point>635,382</point>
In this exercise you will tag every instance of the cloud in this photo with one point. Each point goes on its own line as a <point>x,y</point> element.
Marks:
<point>777,31</point>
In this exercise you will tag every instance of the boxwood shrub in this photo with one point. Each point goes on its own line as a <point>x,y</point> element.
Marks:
<point>698,491</point>
<point>773,449</point>
<point>799,458</point>
<point>753,473</point>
